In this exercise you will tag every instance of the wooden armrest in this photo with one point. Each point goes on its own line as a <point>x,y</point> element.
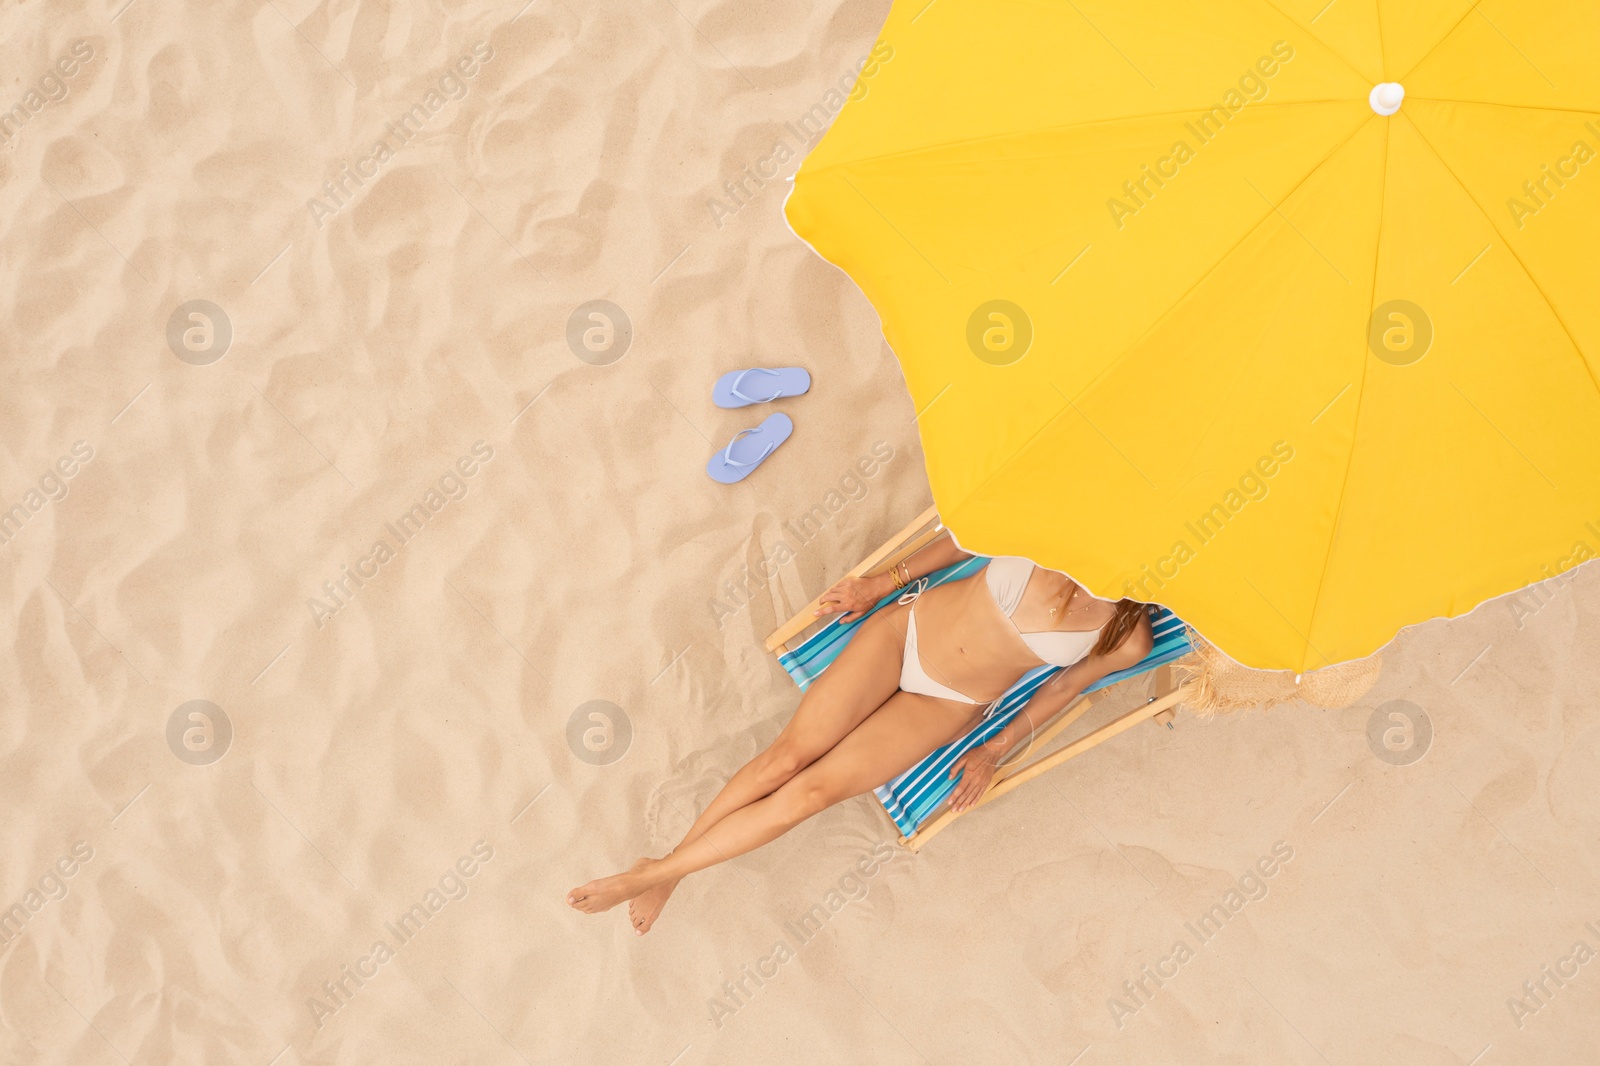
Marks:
<point>904,543</point>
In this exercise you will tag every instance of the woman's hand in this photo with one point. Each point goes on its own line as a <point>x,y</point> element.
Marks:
<point>855,596</point>
<point>976,768</point>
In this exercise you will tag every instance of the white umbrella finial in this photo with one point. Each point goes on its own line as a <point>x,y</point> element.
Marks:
<point>1386,97</point>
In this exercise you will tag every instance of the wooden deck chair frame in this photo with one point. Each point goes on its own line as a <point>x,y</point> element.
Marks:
<point>1020,769</point>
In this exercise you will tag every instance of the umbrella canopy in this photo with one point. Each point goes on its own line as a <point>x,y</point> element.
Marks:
<point>1283,314</point>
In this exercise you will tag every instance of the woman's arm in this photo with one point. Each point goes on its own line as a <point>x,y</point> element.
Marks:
<point>1054,696</point>
<point>856,595</point>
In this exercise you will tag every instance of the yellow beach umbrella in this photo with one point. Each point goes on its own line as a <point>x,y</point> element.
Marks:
<point>1284,313</point>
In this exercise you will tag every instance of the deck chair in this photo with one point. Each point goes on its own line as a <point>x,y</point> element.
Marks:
<point>913,801</point>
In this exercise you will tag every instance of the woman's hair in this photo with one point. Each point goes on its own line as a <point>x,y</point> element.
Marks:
<point>1121,626</point>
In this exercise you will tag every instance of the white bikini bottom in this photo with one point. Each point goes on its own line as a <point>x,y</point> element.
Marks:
<point>913,678</point>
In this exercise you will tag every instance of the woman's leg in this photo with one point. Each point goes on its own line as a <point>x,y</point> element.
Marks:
<point>894,737</point>
<point>865,674</point>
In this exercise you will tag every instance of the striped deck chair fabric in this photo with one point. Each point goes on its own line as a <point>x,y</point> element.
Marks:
<point>910,798</point>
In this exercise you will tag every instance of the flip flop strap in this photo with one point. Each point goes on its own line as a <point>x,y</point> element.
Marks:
<point>727,455</point>
<point>739,380</point>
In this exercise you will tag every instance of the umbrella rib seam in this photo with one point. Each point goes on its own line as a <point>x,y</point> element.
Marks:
<point>1101,376</point>
<point>1220,260</point>
<point>951,516</point>
<point>1361,392</point>
<point>1496,103</point>
<point>1583,357</point>
<point>966,142</point>
<point>1331,50</point>
<point>1383,55</point>
<point>1451,32</point>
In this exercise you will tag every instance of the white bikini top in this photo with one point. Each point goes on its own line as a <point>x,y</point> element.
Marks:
<point>1008,578</point>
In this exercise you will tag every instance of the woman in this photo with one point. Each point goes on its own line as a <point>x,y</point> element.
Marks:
<point>918,675</point>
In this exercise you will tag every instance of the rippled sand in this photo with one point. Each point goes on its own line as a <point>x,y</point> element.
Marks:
<point>355,849</point>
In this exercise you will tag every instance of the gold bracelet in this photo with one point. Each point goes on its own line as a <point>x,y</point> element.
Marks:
<point>894,575</point>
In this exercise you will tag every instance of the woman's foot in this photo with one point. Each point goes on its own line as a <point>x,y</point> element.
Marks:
<point>607,892</point>
<point>645,908</point>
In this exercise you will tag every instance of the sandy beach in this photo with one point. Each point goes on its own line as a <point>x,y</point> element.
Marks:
<point>364,592</point>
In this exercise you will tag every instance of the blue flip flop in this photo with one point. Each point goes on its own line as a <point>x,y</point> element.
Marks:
<point>759,384</point>
<point>749,448</point>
